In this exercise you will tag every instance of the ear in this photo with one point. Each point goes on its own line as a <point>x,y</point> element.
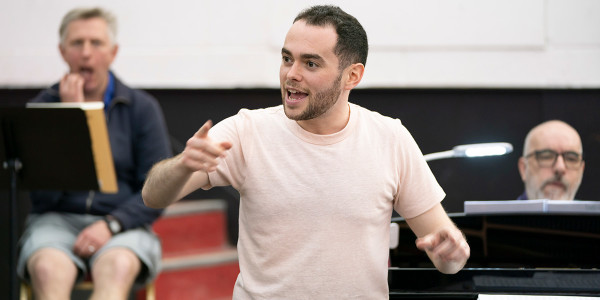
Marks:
<point>62,51</point>
<point>522,168</point>
<point>114,52</point>
<point>354,75</point>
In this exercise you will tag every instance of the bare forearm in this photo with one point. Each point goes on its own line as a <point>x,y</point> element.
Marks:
<point>172,179</point>
<point>165,183</point>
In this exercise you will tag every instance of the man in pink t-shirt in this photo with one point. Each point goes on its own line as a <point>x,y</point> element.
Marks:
<point>318,176</point>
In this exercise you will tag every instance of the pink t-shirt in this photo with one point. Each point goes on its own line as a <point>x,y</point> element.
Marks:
<point>315,209</point>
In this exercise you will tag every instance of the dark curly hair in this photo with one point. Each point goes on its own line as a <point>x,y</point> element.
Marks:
<point>352,45</point>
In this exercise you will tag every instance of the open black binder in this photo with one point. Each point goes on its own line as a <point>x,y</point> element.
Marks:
<point>52,146</point>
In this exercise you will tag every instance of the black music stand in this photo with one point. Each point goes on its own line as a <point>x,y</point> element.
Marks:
<point>47,149</point>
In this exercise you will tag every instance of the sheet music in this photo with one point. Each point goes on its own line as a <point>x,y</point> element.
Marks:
<point>535,206</point>
<point>82,105</point>
<point>530,297</point>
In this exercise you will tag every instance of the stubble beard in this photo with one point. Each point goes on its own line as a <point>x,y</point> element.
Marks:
<point>319,104</point>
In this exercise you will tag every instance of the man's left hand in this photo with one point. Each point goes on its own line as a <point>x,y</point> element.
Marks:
<point>92,238</point>
<point>446,245</point>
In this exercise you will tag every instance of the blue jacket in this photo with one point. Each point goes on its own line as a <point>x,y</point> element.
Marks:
<point>138,139</point>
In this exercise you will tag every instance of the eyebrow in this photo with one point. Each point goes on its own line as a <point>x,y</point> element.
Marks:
<point>304,56</point>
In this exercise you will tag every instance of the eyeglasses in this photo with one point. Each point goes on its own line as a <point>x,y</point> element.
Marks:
<point>547,158</point>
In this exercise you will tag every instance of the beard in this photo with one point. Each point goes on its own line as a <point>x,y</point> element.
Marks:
<point>554,188</point>
<point>321,102</point>
<point>556,193</point>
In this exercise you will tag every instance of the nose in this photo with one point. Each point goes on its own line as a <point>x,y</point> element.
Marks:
<point>86,49</point>
<point>559,165</point>
<point>294,72</point>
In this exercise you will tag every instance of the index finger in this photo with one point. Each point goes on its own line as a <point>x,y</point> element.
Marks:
<point>426,243</point>
<point>203,131</point>
<point>432,240</point>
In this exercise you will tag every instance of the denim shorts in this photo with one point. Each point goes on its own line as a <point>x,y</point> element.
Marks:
<point>60,230</point>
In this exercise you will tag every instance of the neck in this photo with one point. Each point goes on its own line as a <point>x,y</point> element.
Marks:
<point>94,97</point>
<point>334,120</point>
<point>97,94</point>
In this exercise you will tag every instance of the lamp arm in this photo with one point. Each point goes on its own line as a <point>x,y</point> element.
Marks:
<point>439,155</point>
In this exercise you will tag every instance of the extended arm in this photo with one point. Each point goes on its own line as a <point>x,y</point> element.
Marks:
<point>443,242</point>
<point>172,179</point>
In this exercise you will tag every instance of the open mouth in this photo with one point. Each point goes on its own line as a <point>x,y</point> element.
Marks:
<point>295,95</point>
<point>86,72</point>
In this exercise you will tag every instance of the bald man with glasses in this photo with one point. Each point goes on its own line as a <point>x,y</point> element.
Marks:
<point>552,163</point>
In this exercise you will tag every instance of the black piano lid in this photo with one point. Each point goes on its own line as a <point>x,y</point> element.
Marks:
<point>530,254</point>
<point>428,283</point>
<point>516,241</point>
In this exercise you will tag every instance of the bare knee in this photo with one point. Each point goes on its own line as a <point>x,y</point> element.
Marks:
<point>118,264</point>
<point>52,272</point>
<point>49,262</point>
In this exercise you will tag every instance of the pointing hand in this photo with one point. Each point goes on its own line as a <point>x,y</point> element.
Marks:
<point>201,153</point>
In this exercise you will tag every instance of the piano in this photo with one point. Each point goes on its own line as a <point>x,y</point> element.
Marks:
<point>511,254</point>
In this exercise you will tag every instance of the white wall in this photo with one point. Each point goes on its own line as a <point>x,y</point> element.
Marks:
<point>236,43</point>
